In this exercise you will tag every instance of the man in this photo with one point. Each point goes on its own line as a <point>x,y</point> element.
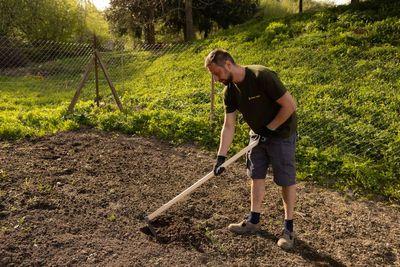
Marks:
<point>269,110</point>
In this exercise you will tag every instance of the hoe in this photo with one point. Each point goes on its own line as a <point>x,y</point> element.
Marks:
<point>150,230</point>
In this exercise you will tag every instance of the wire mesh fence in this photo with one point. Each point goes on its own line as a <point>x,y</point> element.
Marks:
<point>61,66</point>
<point>172,77</point>
<point>59,62</point>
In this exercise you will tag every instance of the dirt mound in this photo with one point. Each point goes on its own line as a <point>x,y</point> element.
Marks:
<point>79,198</point>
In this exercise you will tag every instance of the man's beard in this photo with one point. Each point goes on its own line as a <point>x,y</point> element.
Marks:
<point>228,80</point>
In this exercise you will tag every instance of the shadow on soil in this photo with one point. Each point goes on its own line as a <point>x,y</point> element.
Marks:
<point>168,232</point>
<point>305,251</point>
<point>197,240</point>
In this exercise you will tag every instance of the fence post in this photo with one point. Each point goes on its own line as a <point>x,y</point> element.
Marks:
<point>96,73</point>
<point>123,66</point>
<point>212,100</point>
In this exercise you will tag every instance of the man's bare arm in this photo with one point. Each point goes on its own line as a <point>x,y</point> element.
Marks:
<point>227,133</point>
<point>288,106</point>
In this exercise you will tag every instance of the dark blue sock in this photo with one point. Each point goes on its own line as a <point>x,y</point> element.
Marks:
<point>289,225</point>
<point>254,217</point>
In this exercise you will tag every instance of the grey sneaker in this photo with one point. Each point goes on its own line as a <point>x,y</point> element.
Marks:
<point>286,241</point>
<point>244,227</point>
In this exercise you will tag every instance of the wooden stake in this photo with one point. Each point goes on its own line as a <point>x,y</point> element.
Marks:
<point>103,67</point>
<point>96,72</point>
<point>94,63</point>
<point>88,68</point>
<point>212,99</point>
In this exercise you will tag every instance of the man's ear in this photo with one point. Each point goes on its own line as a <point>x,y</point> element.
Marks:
<point>228,65</point>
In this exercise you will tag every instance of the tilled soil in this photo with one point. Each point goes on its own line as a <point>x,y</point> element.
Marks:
<point>78,198</point>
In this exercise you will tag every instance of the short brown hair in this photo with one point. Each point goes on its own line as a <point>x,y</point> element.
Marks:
<point>219,57</point>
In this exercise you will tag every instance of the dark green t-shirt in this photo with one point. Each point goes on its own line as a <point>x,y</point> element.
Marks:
<point>255,97</point>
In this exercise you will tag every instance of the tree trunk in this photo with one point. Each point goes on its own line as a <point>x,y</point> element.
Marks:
<point>300,6</point>
<point>149,33</point>
<point>149,30</point>
<point>189,33</point>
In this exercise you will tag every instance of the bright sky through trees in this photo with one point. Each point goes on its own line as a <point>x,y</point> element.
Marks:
<point>101,4</point>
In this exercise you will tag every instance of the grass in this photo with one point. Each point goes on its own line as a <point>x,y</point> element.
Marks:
<point>342,64</point>
<point>283,8</point>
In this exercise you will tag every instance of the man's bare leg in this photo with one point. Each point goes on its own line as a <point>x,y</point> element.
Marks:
<point>257,194</point>
<point>252,224</point>
<point>289,200</point>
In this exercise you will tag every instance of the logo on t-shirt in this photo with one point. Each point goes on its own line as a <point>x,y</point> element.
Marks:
<point>254,97</point>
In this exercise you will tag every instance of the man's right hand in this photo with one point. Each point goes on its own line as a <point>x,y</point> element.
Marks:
<point>266,132</point>
<point>217,169</point>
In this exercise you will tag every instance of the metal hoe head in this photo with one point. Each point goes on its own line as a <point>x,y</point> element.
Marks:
<point>149,229</point>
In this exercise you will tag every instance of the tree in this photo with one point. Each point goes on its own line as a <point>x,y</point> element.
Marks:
<point>177,16</point>
<point>300,6</point>
<point>35,19</point>
<point>225,13</point>
<point>206,13</point>
<point>55,20</point>
<point>189,32</point>
<point>127,16</point>
<point>354,2</point>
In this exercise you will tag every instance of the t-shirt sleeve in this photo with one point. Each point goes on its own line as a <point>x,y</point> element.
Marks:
<point>272,85</point>
<point>229,102</point>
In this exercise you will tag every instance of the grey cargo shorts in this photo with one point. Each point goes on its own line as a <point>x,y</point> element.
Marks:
<point>279,152</point>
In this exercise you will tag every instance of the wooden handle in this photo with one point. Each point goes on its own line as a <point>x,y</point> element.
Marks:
<point>199,182</point>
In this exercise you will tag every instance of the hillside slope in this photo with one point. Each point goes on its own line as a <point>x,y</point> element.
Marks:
<point>343,66</point>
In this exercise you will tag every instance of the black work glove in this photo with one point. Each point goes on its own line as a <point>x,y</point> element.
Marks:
<point>265,132</point>
<point>217,169</point>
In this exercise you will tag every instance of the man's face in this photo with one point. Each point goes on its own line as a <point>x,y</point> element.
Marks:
<point>221,74</point>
